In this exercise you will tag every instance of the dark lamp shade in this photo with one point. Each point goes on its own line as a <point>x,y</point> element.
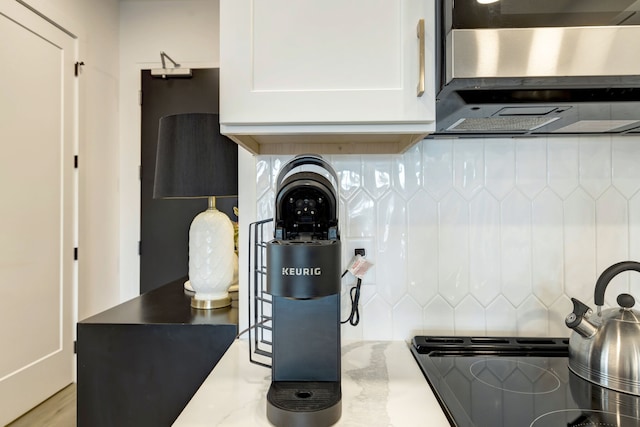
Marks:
<point>193,159</point>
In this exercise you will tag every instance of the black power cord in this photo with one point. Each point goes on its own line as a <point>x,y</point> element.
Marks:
<point>354,316</point>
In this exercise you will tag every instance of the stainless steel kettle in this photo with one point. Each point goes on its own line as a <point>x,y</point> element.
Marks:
<point>605,348</point>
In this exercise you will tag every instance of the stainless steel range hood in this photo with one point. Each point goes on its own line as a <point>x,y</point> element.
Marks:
<point>538,68</point>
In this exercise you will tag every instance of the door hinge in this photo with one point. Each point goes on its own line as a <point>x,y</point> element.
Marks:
<point>140,172</point>
<point>75,161</point>
<point>140,97</point>
<point>75,347</point>
<point>75,254</point>
<point>76,68</point>
<point>139,247</point>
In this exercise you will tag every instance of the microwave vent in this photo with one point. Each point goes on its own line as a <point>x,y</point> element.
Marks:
<point>500,124</point>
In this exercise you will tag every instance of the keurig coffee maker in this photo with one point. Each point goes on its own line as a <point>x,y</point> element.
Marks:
<point>303,277</point>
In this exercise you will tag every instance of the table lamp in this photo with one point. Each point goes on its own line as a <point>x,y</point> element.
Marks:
<point>195,160</point>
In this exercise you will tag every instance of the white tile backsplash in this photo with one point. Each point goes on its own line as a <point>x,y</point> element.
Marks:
<point>484,236</point>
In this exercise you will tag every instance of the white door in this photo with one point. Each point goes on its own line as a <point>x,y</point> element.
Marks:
<point>37,219</point>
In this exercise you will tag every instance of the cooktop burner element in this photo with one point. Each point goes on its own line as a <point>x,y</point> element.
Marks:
<point>584,418</point>
<point>509,382</point>
<point>515,376</point>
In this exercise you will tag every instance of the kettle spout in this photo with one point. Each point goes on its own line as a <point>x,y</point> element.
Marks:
<point>577,320</point>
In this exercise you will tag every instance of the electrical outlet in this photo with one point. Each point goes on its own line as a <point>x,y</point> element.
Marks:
<point>360,251</point>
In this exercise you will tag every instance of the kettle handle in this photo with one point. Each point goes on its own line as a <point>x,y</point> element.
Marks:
<point>608,275</point>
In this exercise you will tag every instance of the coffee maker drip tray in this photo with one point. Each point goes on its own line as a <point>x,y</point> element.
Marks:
<point>292,403</point>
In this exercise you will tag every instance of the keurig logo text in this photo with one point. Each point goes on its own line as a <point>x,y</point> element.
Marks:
<point>295,271</point>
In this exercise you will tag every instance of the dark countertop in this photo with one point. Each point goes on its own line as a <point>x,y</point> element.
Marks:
<point>168,304</point>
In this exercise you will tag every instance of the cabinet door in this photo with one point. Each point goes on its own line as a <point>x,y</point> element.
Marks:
<point>325,62</point>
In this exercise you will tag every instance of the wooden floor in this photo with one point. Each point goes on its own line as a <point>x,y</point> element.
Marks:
<point>57,411</point>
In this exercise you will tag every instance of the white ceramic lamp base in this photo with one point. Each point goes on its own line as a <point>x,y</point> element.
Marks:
<point>211,259</point>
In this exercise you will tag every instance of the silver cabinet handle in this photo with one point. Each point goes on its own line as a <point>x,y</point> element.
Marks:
<point>420,29</point>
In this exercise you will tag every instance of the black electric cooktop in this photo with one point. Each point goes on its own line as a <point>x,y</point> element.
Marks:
<point>517,382</point>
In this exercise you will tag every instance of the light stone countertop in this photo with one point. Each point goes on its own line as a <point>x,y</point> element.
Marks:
<point>382,385</point>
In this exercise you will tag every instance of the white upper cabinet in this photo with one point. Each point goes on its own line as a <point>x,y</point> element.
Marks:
<point>326,76</point>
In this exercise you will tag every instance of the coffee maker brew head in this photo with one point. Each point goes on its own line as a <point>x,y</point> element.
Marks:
<point>306,202</point>
<point>304,257</point>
